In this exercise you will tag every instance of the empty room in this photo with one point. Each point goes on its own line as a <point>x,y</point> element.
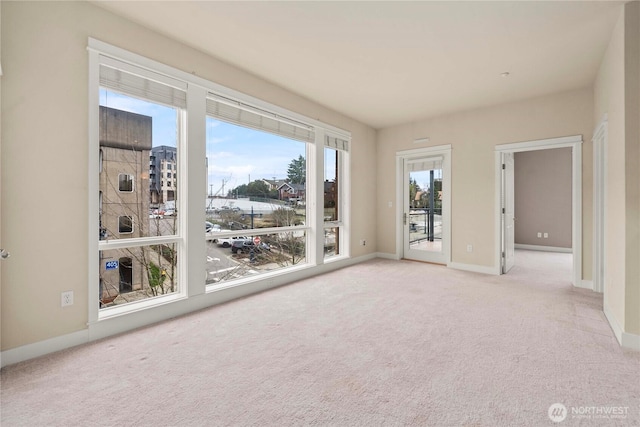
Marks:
<point>168,257</point>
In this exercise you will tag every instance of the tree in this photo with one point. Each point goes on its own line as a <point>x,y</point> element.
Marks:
<point>284,217</point>
<point>414,189</point>
<point>258,189</point>
<point>240,190</point>
<point>297,171</point>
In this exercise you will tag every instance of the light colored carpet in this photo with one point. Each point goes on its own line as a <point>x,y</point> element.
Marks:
<point>379,343</point>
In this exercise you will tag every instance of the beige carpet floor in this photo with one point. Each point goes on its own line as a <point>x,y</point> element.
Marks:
<point>379,343</point>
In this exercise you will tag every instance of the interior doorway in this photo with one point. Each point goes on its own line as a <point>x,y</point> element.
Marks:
<point>505,194</point>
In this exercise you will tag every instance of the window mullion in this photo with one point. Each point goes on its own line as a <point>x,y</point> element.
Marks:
<point>317,233</point>
<point>193,185</point>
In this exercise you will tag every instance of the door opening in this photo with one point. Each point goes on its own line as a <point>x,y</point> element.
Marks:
<point>505,195</point>
<point>424,204</point>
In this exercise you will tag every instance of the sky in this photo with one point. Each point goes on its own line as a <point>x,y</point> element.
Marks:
<point>423,179</point>
<point>235,154</point>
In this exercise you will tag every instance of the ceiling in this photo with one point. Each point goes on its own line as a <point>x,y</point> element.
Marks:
<point>387,63</point>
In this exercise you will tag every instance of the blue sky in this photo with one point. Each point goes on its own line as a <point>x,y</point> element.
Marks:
<point>423,179</point>
<point>235,154</point>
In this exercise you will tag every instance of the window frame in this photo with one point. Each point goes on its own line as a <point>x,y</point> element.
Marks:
<point>341,223</point>
<point>131,180</point>
<point>191,187</point>
<point>120,224</point>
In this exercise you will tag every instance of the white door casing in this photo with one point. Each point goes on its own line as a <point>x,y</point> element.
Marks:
<point>414,161</point>
<point>575,143</point>
<point>508,210</point>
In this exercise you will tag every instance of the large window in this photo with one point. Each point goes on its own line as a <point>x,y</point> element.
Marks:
<point>335,152</point>
<point>172,150</point>
<point>139,123</point>
<point>257,178</point>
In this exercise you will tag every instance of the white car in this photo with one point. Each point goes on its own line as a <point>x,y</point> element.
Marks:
<point>211,232</point>
<point>228,241</point>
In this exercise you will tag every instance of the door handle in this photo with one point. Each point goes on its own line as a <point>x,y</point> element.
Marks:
<point>4,254</point>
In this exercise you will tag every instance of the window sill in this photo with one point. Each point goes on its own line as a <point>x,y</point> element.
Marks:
<point>120,310</point>
<point>254,279</point>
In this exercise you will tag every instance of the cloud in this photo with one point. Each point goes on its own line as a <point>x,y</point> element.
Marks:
<point>215,140</point>
<point>219,155</point>
<point>231,170</point>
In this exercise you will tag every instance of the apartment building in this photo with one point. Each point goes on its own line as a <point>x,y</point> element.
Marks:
<point>125,144</point>
<point>163,174</point>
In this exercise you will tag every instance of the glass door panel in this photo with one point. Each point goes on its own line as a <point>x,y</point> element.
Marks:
<point>423,217</point>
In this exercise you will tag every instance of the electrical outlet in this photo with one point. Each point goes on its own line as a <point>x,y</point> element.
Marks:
<point>66,298</point>
<point>390,204</point>
<point>539,235</point>
<point>363,242</point>
<point>546,235</point>
<point>469,248</point>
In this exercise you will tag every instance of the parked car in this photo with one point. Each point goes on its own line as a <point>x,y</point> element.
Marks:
<point>245,246</point>
<point>228,241</point>
<point>211,231</point>
<point>209,226</point>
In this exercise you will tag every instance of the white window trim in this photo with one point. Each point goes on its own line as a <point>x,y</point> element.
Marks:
<point>192,255</point>
<point>133,226</point>
<point>133,183</point>
<point>344,198</point>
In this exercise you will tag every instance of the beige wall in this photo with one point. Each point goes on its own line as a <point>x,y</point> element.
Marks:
<point>45,100</point>
<point>473,136</point>
<point>543,189</point>
<point>616,94</point>
<point>632,166</point>
<point>609,99</point>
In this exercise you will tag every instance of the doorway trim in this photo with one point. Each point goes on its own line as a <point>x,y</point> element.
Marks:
<point>403,155</point>
<point>574,142</point>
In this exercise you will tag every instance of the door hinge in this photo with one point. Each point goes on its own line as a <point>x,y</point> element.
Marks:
<point>504,166</point>
<point>504,255</point>
<point>404,218</point>
<point>503,211</point>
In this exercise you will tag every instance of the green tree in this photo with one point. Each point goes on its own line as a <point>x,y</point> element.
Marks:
<point>258,189</point>
<point>156,278</point>
<point>297,171</point>
<point>240,190</point>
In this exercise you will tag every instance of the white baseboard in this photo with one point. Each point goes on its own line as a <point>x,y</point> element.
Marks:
<point>631,341</point>
<point>625,339</point>
<point>543,248</point>
<point>40,348</point>
<point>585,284</point>
<point>472,267</point>
<point>388,256</point>
<point>615,327</point>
